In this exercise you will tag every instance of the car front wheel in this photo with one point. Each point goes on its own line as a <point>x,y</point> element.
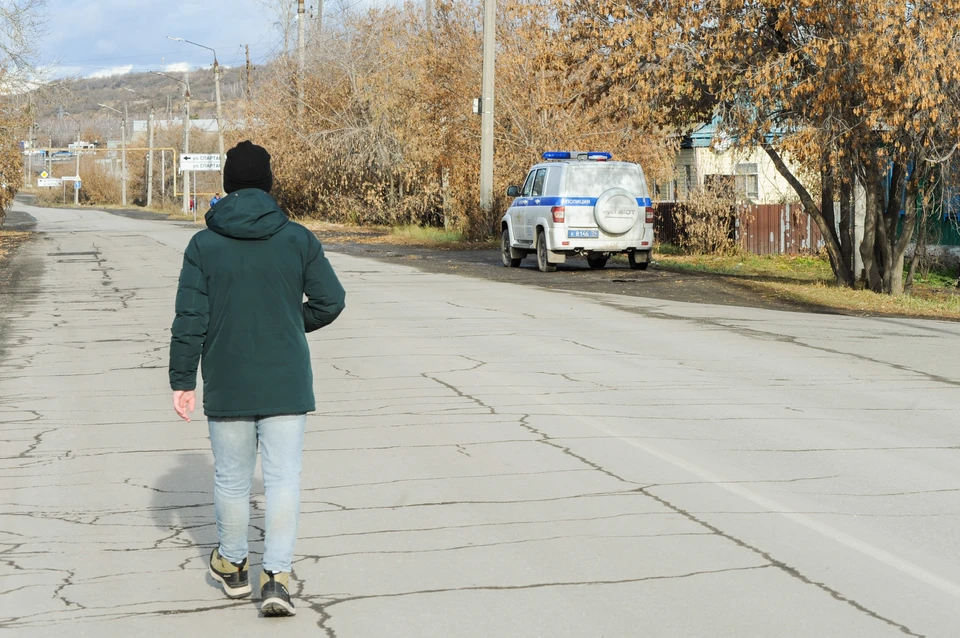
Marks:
<point>505,258</point>
<point>597,263</point>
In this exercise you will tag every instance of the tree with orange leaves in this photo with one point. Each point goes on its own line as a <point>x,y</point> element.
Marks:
<point>838,94</point>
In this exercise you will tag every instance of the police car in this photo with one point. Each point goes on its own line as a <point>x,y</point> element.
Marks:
<point>578,204</point>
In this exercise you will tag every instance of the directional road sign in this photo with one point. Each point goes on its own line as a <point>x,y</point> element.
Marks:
<point>48,181</point>
<point>197,162</point>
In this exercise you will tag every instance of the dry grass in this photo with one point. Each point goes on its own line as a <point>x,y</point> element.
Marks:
<point>804,268</point>
<point>809,280</point>
<point>924,302</point>
<point>10,240</point>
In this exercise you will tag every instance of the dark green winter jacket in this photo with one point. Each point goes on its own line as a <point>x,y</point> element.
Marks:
<point>240,309</point>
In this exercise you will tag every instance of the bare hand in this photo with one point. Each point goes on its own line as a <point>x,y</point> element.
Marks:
<point>184,401</point>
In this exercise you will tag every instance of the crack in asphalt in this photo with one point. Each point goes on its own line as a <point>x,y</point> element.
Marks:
<point>325,617</point>
<point>782,566</point>
<point>691,516</point>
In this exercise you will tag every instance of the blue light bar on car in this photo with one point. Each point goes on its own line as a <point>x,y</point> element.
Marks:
<point>578,155</point>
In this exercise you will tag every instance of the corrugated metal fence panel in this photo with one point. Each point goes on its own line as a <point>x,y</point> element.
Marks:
<point>778,229</point>
<point>762,229</point>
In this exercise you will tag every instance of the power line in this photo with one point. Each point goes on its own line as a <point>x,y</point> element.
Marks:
<point>144,55</point>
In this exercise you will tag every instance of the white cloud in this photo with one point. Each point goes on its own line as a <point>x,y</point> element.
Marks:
<point>117,70</point>
<point>176,67</point>
<point>85,35</point>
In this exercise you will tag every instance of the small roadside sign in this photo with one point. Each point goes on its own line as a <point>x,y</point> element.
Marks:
<point>71,178</point>
<point>44,174</point>
<point>48,181</point>
<point>77,184</point>
<point>199,162</point>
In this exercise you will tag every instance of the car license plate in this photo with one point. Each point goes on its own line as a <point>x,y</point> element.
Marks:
<point>583,234</point>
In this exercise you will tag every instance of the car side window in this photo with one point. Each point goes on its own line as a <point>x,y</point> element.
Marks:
<point>538,182</point>
<point>528,185</point>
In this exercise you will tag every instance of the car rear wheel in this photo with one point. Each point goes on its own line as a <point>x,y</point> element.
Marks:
<point>542,263</point>
<point>639,260</point>
<point>597,263</point>
<point>508,261</point>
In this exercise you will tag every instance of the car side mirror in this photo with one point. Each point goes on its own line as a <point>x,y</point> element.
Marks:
<point>513,191</point>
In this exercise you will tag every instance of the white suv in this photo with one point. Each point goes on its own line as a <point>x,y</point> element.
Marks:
<point>579,204</point>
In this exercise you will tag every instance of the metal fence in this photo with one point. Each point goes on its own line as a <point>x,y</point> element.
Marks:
<point>778,229</point>
<point>762,229</point>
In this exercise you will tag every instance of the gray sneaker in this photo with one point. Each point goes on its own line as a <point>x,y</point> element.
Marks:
<point>275,594</point>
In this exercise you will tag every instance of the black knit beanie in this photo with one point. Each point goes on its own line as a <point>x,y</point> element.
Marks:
<point>248,166</point>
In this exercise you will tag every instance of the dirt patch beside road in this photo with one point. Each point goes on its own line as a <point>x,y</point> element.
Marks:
<point>17,228</point>
<point>617,278</point>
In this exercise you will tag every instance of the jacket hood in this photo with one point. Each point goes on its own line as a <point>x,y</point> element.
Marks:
<point>246,214</point>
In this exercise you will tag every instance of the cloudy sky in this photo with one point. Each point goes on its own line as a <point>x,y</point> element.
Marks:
<point>106,37</point>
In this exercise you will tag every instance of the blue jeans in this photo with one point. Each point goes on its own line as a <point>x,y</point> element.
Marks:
<point>234,443</point>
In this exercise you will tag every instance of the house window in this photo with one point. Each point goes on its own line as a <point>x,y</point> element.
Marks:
<point>748,181</point>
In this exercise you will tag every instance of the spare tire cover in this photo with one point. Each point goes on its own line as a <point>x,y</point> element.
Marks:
<point>616,211</point>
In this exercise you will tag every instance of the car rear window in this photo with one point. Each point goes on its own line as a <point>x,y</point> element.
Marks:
<point>591,180</point>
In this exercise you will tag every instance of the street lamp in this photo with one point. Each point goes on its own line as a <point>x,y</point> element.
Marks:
<point>186,133</point>
<point>216,81</point>
<point>123,153</point>
<point>149,145</point>
<point>76,190</point>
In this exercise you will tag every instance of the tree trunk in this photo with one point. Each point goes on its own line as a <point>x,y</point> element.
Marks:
<point>892,248</point>
<point>896,276</point>
<point>847,213</point>
<point>841,269</point>
<point>884,255</point>
<point>920,248</point>
<point>868,246</point>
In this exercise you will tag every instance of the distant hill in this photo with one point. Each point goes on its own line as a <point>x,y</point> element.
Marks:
<point>80,97</point>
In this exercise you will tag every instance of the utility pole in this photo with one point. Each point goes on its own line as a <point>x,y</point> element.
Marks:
<point>248,72</point>
<point>486,133</point>
<point>186,141</point>
<point>123,155</point>
<point>150,123</point>
<point>429,12</point>
<point>302,52</point>
<point>150,158</point>
<point>28,165</point>
<point>216,77</point>
<point>76,191</point>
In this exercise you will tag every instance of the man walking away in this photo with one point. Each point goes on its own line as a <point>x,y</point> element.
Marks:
<point>241,314</point>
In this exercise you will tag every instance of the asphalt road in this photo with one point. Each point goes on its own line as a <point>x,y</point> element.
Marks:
<point>488,459</point>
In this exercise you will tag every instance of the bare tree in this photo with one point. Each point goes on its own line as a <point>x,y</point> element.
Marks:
<point>285,12</point>
<point>20,25</point>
